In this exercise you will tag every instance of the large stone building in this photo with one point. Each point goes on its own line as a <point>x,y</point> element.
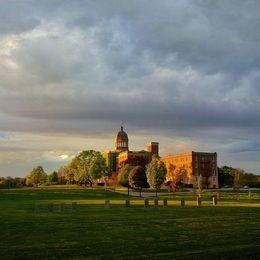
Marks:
<point>122,155</point>
<point>185,168</point>
<point>188,167</point>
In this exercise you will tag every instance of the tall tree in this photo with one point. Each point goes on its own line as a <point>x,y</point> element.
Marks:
<point>123,176</point>
<point>200,184</point>
<point>137,179</point>
<point>156,173</point>
<point>36,176</point>
<point>88,166</point>
<point>53,178</point>
<point>237,174</point>
<point>225,176</point>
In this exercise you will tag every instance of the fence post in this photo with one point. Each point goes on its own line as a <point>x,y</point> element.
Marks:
<point>127,203</point>
<point>74,205</point>
<point>146,203</point>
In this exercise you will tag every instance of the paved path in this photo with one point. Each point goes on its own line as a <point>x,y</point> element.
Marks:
<point>143,194</point>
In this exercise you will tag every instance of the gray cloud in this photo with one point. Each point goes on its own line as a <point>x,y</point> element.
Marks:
<point>181,69</point>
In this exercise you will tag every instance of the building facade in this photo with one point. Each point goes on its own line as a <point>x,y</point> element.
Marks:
<point>188,167</point>
<point>135,158</point>
<point>122,155</point>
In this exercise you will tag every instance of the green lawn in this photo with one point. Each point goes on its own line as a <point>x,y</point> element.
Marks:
<point>230,230</point>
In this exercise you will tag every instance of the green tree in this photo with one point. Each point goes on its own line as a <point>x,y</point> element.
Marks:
<point>123,176</point>
<point>88,166</point>
<point>249,179</point>
<point>53,177</point>
<point>137,179</point>
<point>237,174</point>
<point>36,176</point>
<point>225,176</point>
<point>156,173</point>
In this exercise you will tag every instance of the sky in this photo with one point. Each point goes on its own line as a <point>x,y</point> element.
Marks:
<point>184,73</point>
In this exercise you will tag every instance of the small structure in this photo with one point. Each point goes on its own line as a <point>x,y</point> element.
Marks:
<point>127,203</point>
<point>74,205</point>
<point>62,206</point>
<point>198,201</point>
<point>107,204</point>
<point>50,207</point>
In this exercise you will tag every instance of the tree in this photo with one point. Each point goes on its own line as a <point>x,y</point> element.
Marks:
<point>69,173</point>
<point>237,174</point>
<point>137,179</point>
<point>10,182</point>
<point>225,177</point>
<point>250,180</point>
<point>123,176</point>
<point>36,176</point>
<point>53,177</point>
<point>156,173</point>
<point>200,184</point>
<point>61,175</point>
<point>88,166</point>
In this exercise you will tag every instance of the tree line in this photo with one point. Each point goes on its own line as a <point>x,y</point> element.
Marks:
<point>236,178</point>
<point>138,177</point>
<point>89,167</point>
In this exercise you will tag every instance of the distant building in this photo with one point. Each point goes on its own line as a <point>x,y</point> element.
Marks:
<point>121,142</point>
<point>122,155</point>
<point>187,167</point>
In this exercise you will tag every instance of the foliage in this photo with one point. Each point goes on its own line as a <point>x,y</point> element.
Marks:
<point>200,185</point>
<point>250,180</point>
<point>175,176</point>
<point>237,174</point>
<point>137,178</point>
<point>225,177</point>
<point>61,175</point>
<point>123,176</point>
<point>87,167</point>
<point>36,176</point>
<point>53,178</point>
<point>69,173</point>
<point>156,173</point>
<point>10,182</point>
<point>235,177</point>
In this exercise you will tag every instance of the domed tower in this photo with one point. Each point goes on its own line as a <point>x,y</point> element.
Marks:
<point>121,140</point>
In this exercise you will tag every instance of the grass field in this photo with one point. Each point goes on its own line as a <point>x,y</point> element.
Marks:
<point>230,230</point>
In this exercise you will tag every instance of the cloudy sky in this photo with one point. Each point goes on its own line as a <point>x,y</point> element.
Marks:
<point>184,73</point>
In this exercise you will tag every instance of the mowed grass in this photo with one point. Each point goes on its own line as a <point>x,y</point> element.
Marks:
<point>230,230</point>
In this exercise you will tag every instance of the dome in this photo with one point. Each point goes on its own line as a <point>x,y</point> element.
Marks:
<point>121,140</point>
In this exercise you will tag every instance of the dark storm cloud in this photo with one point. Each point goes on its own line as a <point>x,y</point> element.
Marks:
<point>182,68</point>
